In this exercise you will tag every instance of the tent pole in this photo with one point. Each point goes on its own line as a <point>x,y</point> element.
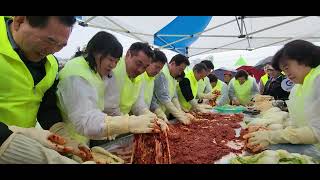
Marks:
<point>123,28</point>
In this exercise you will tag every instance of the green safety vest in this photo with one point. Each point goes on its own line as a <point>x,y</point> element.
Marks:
<point>194,88</point>
<point>264,79</point>
<point>300,94</point>
<point>218,86</point>
<point>148,88</point>
<point>79,67</point>
<point>129,89</point>
<point>202,84</point>
<point>19,98</point>
<point>243,92</point>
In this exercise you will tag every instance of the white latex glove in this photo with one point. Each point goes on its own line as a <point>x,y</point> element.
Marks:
<point>205,106</point>
<point>209,96</point>
<point>20,149</point>
<point>133,124</point>
<point>180,115</point>
<point>176,103</point>
<point>262,139</point>
<point>235,102</point>
<point>163,125</point>
<point>44,137</point>
<point>146,112</point>
<point>79,149</point>
<point>102,156</point>
<point>160,114</point>
<point>197,107</point>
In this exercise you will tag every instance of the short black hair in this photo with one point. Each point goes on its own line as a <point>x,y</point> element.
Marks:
<point>180,59</point>
<point>159,56</point>
<point>303,52</point>
<point>212,78</point>
<point>200,67</point>
<point>242,73</point>
<point>140,46</point>
<point>42,21</point>
<point>102,43</point>
<point>208,63</point>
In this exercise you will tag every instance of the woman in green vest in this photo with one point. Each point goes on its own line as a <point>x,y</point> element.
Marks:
<point>242,88</point>
<point>300,61</point>
<point>81,92</point>
<point>221,87</point>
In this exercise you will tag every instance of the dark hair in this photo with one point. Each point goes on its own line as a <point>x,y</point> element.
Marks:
<point>241,73</point>
<point>180,59</point>
<point>139,46</point>
<point>102,43</point>
<point>159,56</point>
<point>267,63</point>
<point>42,21</point>
<point>212,78</point>
<point>301,51</point>
<point>208,63</point>
<point>200,67</point>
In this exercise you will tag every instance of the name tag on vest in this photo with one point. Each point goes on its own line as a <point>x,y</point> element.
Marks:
<point>287,85</point>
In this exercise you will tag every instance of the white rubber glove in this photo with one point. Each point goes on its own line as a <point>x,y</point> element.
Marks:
<point>20,149</point>
<point>134,124</point>
<point>159,121</point>
<point>160,114</point>
<point>180,115</point>
<point>262,139</point>
<point>205,106</point>
<point>207,96</point>
<point>176,103</point>
<point>197,107</point>
<point>44,137</point>
<point>102,156</point>
<point>81,150</point>
<point>146,112</point>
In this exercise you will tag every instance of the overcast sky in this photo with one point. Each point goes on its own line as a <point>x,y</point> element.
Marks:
<point>81,35</point>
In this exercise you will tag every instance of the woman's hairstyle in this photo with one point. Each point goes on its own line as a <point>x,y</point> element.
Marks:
<point>301,51</point>
<point>102,43</point>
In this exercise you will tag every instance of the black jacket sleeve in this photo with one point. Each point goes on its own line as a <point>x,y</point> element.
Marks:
<point>49,113</point>
<point>4,132</point>
<point>186,89</point>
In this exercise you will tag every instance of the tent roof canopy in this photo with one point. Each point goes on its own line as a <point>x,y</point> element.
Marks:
<point>195,35</point>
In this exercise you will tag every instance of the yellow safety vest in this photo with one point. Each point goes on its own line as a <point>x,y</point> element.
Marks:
<point>129,89</point>
<point>218,86</point>
<point>19,98</point>
<point>264,79</point>
<point>79,67</point>
<point>300,94</point>
<point>148,88</point>
<point>243,91</point>
<point>194,88</point>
